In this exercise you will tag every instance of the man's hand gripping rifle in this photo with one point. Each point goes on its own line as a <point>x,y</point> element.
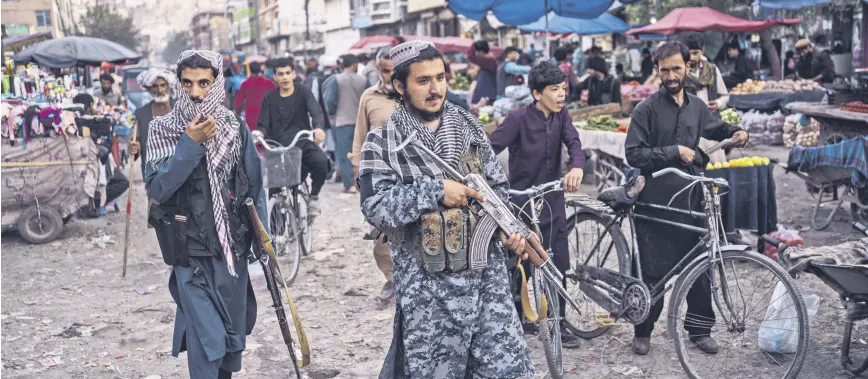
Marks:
<point>268,261</point>
<point>494,208</point>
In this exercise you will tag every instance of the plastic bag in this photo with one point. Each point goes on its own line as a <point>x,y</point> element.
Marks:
<point>788,236</point>
<point>779,332</point>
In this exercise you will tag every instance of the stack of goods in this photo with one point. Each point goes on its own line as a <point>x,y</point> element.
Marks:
<point>801,130</point>
<point>730,116</point>
<point>604,123</point>
<point>636,91</point>
<point>461,83</point>
<point>515,97</point>
<point>764,129</point>
<point>855,106</point>
<point>786,86</point>
<point>740,162</point>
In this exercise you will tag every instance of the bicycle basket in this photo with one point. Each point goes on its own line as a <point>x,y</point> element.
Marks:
<point>281,168</point>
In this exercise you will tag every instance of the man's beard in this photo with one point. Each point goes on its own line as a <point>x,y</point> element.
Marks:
<point>426,116</point>
<point>106,91</point>
<point>162,99</point>
<point>673,90</point>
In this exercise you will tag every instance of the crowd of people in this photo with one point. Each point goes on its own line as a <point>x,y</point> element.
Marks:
<point>451,321</point>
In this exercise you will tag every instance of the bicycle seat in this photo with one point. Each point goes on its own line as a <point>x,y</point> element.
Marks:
<point>624,196</point>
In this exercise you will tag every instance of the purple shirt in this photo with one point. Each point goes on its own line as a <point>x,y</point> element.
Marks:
<point>534,144</point>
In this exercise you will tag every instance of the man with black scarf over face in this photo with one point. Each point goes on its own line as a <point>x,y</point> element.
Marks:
<point>664,132</point>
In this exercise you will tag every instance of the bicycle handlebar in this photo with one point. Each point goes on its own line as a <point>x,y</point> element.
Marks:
<point>261,140</point>
<point>556,185</point>
<point>682,174</point>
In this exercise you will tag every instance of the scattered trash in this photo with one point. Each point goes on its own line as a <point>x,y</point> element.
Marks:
<point>153,377</point>
<point>135,338</point>
<point>24,318</point>
<point>47,321</point>
<point>50,362</point>
<point>327,373</point>
<point>101,242</point>
<point>355,292</point>
<point>76,330</point>
<point>627,370</point>
<point>253,346</point>
<point>383,316</point>
<point>106,330</point>
<point>146,290</point>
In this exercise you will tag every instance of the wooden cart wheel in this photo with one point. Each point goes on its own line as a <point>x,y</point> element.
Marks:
<point>39,225</point>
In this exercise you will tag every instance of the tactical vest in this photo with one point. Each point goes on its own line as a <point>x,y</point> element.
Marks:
<point>185,223</point>
<point>445,234</point>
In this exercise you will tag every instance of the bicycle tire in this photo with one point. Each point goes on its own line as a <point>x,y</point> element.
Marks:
<point>282,242</point>
<point>624,263</point>
<point>549,330</point>
<point>303,219</point>
<point>689,276</point>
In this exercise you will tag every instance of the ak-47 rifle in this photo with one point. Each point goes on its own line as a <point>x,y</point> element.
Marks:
<point>495,214</point>
<point>268,261</point>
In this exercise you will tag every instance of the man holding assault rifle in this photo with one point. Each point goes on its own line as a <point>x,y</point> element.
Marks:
<point>204,173</point>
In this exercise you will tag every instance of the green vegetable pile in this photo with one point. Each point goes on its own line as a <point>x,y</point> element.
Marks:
<point>730,116</point>
<point>606,122</point>
<point>461,83</point>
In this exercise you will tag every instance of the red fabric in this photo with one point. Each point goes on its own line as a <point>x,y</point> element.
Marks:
<point>250,96</point>
<point>702,19</point>
<point>567,69</point>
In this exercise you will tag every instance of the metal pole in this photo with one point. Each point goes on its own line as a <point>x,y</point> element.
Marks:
<point>547,54</point>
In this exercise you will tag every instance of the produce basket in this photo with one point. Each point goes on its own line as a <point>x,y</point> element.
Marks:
<point>281,168</point>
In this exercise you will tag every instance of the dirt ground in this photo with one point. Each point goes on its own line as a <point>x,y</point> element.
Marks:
<point>68,313</point>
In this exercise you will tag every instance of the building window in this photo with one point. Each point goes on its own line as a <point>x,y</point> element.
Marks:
<point>43,19</point>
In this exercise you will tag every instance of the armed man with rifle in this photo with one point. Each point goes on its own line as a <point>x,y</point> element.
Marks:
<point>454,316</point>
<point>202,166</point>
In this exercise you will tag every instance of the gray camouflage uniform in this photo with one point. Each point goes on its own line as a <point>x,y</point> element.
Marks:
<point>447,325</point>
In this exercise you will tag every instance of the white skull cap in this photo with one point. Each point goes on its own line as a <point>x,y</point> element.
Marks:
<point>407,51</point>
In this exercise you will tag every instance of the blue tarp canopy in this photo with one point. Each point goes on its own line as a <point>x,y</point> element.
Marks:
<point>788,4</point>
<point>604,24</point>
<point>521,12</point>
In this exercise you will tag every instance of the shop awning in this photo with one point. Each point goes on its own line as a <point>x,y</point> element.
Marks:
<point>702,19</point>
<point>788,4</point>
<point>521,12</point>
<point>603,24</point>
<point>19,42</point>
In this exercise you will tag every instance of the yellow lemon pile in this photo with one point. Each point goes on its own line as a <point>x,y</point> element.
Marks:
<point>740,162</point>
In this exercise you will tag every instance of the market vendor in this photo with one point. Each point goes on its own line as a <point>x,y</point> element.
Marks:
<point>741,70</point>
<point>107,93</point>
<point>602,87</point>
<point>816,67</point>
<point>704,79</point>
<point>664,132</point>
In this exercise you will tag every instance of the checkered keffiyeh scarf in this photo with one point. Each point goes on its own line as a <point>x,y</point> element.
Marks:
<point>223,151</point>
<point>457,131</point>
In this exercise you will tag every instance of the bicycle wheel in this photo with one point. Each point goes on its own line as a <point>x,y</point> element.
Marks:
<point>612,252</point>
<point>549,326</point>
<point>748,285</point>
<point>304,219</point>
<point>284,235</point>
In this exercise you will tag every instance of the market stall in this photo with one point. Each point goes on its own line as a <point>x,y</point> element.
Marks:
<point>836,124</point>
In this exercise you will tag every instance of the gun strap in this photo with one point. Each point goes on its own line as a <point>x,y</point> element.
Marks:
<point>525,298</point>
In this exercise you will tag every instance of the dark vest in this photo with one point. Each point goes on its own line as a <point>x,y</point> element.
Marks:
<point>192,203</point>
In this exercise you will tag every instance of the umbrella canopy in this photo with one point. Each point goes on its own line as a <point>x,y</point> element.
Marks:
<point>702,19</point>
<point>444,44</point>
<point>16,42</point>
<point>604,24</point>
<point>521,12</point>
<point>75,51</point>
<point>257,58</point>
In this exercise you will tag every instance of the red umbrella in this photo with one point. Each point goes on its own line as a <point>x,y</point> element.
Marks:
<point>375,41</point>
<point>702,19</point>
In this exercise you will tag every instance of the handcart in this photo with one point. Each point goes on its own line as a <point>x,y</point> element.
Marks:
<point>831,183</point>
<point>844,268</point>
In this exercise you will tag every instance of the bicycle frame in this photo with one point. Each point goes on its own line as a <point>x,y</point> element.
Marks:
<point>710,241</point>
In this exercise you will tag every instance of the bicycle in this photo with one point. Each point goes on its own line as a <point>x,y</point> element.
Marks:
<point>549,323</point>
<point>621,291</point>
<point>288,218</point>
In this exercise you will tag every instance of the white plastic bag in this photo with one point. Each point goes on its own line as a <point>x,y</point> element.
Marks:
<point>779,332</point>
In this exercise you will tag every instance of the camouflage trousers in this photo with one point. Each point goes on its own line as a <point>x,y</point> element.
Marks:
<point>455,325</point>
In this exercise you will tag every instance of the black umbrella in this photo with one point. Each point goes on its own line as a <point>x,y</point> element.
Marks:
<point>75,51</point>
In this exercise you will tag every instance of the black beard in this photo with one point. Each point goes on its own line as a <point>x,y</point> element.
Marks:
<point>106,90</point>
<point>672,91</point>
<point>423,114</point>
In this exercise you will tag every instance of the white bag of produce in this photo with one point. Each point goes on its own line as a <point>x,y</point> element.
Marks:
<point>779,331</point>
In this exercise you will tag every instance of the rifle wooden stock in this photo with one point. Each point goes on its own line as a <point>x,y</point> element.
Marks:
<point>272,273</point>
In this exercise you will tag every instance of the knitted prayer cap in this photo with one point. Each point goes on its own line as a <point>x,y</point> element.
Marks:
<point>407,51</point>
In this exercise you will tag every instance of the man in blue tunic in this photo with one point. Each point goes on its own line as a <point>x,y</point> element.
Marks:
<point>202,165</point>
<point>451,321</point>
